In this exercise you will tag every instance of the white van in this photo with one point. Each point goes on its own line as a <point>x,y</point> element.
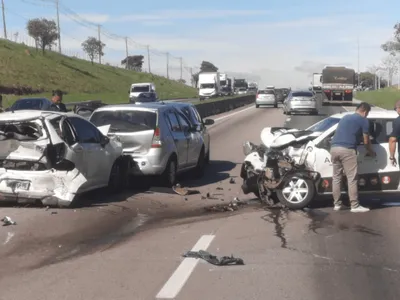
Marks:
<point>138,88</point>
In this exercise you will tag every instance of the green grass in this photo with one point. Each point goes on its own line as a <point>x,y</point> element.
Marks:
<point>23,66</point>
<point>384,98</point>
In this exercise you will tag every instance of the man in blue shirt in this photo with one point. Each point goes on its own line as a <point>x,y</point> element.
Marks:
<point>349,132</point>
<point>395,136</point>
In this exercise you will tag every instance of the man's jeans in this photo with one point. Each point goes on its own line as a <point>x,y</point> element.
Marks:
<point>344,160</point>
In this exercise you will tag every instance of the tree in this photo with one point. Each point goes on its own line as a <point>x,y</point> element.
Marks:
<point>43,31</point>
<point>93,48</point>
<point>134,62</point>
<point>195,79</point>
<point>390,64</point>
<point>206,66</point>
<point>393,46</point>
<point>367,79</point>
<point>183,81</point>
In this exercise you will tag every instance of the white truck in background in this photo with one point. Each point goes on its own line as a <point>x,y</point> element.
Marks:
<point>209,85</point>
<point>317,82</point>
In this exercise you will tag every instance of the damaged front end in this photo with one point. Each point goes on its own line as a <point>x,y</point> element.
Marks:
<point>36,164</point>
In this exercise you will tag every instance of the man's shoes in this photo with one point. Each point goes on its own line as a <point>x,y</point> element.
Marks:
<point>340,207</point>
<point>359,208</point>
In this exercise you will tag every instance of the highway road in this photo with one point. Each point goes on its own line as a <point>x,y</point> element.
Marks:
<point>130,246</point>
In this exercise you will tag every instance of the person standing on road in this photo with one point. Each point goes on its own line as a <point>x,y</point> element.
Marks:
<point>395,136</point>
<point>344,155</point>
<point>57,102</point>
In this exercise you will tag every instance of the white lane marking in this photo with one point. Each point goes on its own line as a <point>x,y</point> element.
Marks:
<point>178,279</point>
<point>235,113</point>
<point>9,237</point>
<point>345,108</point>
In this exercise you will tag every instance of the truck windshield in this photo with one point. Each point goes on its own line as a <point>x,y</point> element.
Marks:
<point>207,86</point>
<point>140,88</point>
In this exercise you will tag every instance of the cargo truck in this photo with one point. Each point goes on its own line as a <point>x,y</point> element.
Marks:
<point>338,84</point>
<point>209,85</point>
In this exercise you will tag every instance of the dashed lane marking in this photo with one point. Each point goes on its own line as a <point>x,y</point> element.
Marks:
<point>178,279</point>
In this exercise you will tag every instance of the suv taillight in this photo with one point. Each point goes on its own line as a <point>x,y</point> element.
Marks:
<point>156,143</point>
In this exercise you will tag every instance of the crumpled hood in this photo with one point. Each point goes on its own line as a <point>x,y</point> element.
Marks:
<point>289,136</point>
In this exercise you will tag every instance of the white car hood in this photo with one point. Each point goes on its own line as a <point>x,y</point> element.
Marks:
<point>270,135</point>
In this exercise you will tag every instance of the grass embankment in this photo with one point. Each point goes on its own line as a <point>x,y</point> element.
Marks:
<point>384,98</point>
<point>23,66</point>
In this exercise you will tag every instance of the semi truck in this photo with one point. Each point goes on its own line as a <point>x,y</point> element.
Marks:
<point>317,82</point>
<point>338,84</point>
<point>209,85</point>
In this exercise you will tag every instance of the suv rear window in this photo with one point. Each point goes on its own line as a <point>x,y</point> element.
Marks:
<point>125,120</point>
<point>140,88</point>
<point>266,92</point>
<point>302,94</point>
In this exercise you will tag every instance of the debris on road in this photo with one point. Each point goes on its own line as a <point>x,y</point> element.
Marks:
<point>220,188</point>
<point>8,221</point>
<point>212,259</point>
<point>232,206</point>
<point>183,191</point>
<point>232,180</point>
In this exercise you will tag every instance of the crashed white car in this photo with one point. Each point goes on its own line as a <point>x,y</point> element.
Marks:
<point>287,152</point>
<point>375,174</point>
<point>50,157</point>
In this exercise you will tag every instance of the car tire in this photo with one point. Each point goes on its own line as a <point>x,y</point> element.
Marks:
<point>201,163</point>
<point>117,178</point>
<point>168,177</point>
<point>303,198</point>
<point>257,106</point>
<point>276,105</point>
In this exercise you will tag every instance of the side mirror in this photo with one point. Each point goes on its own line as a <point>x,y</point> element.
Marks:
<point>104,141</point>
<point>208,122</point>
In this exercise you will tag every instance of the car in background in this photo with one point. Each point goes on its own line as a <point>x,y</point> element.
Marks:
<point>266,97</point>
<point>144,98</point>
<point>300,101</point>
<point>252,90</point>
<point>31,104</point>
<point>51,157</point>
<point>279,95</point>
<point>84,108</point>
<point>241,91</point>
<point>226,91</point>
<point>158,137</point>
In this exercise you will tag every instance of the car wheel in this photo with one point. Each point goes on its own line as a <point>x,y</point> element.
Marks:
<point>168,177</point>
<point>207,161</point>
<point>296,192</point>
<point>201,162</point>
<point>276,105</point>
<point>257,106</point>
<point>116,180</point>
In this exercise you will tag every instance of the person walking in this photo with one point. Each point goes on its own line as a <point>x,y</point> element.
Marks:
<point>395,136</point>
<point>344,155</point>
<point>57,101</point>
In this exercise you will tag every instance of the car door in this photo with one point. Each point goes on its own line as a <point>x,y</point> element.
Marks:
<point>194,138</point>
<point>202,128</point>
<point>377,173</point>
<point>95,155</point>
<point>180,139</point>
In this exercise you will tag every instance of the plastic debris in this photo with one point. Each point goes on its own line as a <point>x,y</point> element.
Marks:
<point>214,260</point>
<point>220,188</point>
<point>8,221</point>
<point>232,180</point>
<point>232,206</point>
<point>184,191</point>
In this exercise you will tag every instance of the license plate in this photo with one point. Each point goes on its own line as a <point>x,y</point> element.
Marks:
<point>338,94</point>
<point>19,185</point>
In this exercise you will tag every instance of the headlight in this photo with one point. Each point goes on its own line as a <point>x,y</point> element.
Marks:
<point>247,148</point>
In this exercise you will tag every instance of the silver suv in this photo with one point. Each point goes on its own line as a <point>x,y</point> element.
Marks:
<point>159,137</point>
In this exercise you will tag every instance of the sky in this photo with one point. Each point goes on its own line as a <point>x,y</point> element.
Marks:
<point>272,42</point>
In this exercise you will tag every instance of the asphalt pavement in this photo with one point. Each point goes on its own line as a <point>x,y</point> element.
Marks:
<point>130,246</point>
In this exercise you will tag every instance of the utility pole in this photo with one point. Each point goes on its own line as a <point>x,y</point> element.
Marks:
<point>191,76</point>
<point>99,34</point>
<point>58,24</point>
<point>148,58</point>
<point>127,53</point>
<point>180,59</point>
<point>358,59</point>
<point>168,65</point>
<point>3,9</point>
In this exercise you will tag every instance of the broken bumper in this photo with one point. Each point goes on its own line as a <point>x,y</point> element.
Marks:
<point>53,188</point>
